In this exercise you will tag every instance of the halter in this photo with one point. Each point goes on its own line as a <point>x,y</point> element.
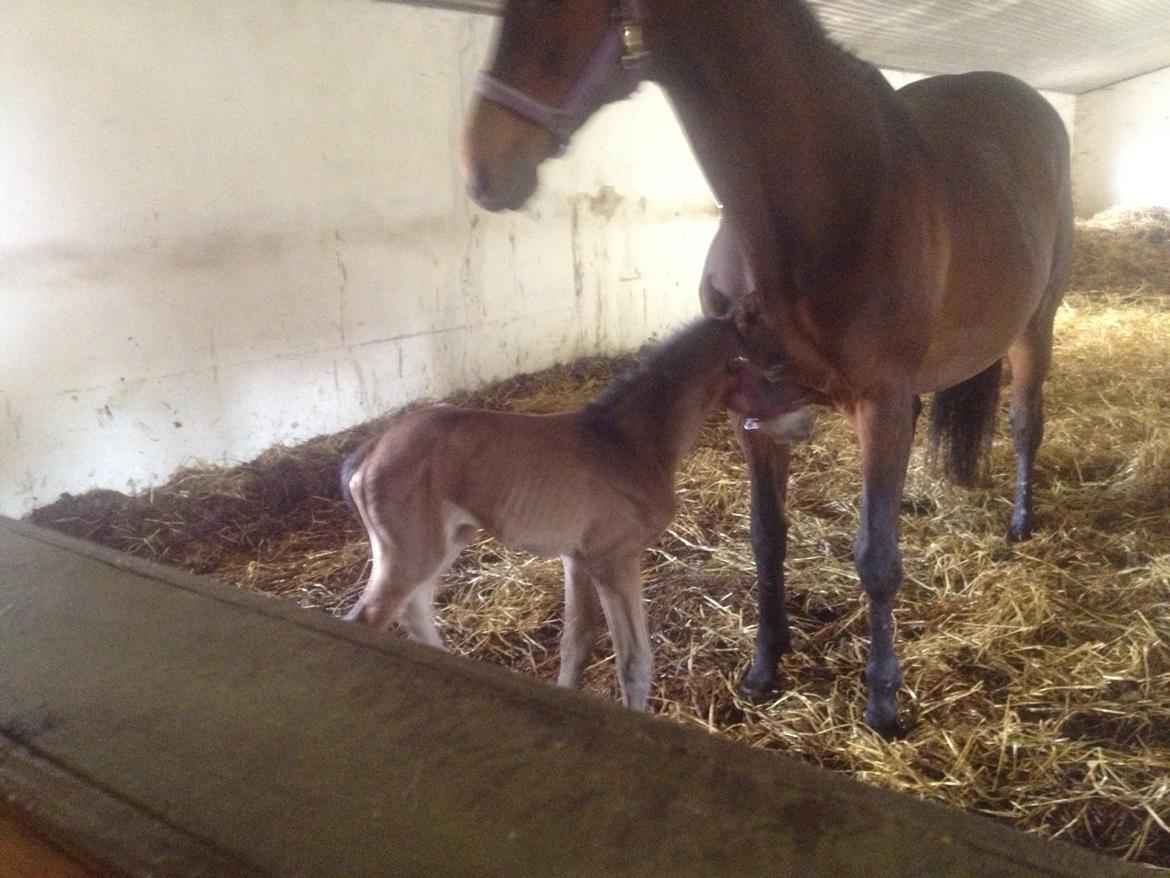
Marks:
<point>622,42</point>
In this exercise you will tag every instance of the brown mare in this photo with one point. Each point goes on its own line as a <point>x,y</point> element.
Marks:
<point>896,242</point>
<point>594,486</point>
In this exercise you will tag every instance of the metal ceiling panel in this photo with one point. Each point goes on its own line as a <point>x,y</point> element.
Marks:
<point>1070,46</point>
<point>1065,45</point>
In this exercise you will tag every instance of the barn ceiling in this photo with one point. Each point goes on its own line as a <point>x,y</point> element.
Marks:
<point>1065,45</point>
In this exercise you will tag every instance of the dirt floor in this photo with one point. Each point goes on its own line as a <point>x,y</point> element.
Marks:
<point>1037,675</point>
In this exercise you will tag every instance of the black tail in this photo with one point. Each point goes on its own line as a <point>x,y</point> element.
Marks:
<point>962,422</point>
<point>352,462</point>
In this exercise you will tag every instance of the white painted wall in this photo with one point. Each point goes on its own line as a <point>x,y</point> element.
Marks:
<point>228,224</point>
<point>231,224</point>
<point>1122,154</point>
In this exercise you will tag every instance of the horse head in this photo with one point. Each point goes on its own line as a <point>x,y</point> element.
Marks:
<point>556,62</point>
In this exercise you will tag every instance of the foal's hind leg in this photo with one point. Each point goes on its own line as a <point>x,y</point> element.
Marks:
<point>399,591</point>
<point>407,565</point>
<point>1030,357</point>
<point>768,463</point>
<point>417,615</point>
<point>582,620</point>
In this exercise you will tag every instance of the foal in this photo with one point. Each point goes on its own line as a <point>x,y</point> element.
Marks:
<point>594,486</point>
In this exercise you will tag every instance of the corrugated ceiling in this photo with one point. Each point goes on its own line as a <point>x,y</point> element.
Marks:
<point>1064,45</point>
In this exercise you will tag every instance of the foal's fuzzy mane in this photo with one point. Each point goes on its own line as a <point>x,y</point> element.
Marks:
<point>677,358</point>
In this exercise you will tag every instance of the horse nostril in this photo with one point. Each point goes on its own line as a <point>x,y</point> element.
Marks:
<point>480,189</point>
<point>475,174</point>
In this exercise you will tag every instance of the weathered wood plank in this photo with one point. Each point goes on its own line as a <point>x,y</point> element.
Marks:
<point>274,740</point>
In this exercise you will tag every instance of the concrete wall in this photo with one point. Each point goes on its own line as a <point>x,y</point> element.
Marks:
<point>1123,144</point>
<point>232,224</point>
<point>229,224</point>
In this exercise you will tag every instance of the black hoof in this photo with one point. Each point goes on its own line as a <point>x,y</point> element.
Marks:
<point>1019,529</point>
<point>757,686</point>
<point>886,725</point>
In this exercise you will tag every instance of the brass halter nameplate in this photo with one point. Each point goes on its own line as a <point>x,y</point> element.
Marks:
<point>633,44</point>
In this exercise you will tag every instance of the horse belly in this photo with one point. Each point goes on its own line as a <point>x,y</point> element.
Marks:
<point>545,523</point>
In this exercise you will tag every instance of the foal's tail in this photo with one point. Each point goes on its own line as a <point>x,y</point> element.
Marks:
<point>962,421</point>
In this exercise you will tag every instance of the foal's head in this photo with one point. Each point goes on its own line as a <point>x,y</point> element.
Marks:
<point>555,63</point>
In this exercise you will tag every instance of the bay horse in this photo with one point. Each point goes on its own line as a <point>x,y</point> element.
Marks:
<point>896,242</point>
<point>594,486</point>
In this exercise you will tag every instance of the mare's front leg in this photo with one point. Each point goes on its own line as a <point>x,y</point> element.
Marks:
<point>619,585</point>
<point>582,619</point>
<point>885,429</point>
<point>768,462</point>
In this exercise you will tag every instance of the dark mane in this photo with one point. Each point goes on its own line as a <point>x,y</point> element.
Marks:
<point>806,18</point>
<point>677,359</point>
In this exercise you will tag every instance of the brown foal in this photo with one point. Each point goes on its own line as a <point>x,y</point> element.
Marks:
<point>594,486</point>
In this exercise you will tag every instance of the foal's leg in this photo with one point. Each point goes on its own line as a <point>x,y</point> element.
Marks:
<point>417,615</point>
<point>1030,357</point>
<point>885,429</point>
<point>582,619</point>
<point>619,584</point>
<point>768,462</point>
<point>408,561</point>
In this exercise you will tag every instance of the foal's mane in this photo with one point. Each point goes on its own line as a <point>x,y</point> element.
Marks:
<point>679,358</point>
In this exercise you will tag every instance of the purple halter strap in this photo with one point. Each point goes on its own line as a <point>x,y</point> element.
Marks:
<point>622,42</point>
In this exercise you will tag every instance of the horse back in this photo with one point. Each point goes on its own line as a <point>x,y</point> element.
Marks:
<point>968,113</point>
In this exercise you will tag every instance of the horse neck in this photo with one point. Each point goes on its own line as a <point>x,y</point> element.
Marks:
<point>791,131</point>
<point>659,411</point>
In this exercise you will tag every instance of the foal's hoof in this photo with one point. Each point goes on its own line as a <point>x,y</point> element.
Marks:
<point>759,684</point>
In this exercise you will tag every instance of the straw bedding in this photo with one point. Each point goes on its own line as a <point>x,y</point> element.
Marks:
<point>1037,676</point>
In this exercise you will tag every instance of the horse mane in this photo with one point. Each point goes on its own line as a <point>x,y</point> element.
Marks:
<point>806,18</point>
<point>682,355</point>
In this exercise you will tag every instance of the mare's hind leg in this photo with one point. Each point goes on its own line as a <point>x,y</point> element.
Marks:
<point>619,585</point>
<point>1030,357</point>
<point>582,620</point>
<point>768,463</point>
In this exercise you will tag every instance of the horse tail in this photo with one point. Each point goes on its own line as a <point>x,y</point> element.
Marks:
<point>352,461</point>
<point>962,421</point>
